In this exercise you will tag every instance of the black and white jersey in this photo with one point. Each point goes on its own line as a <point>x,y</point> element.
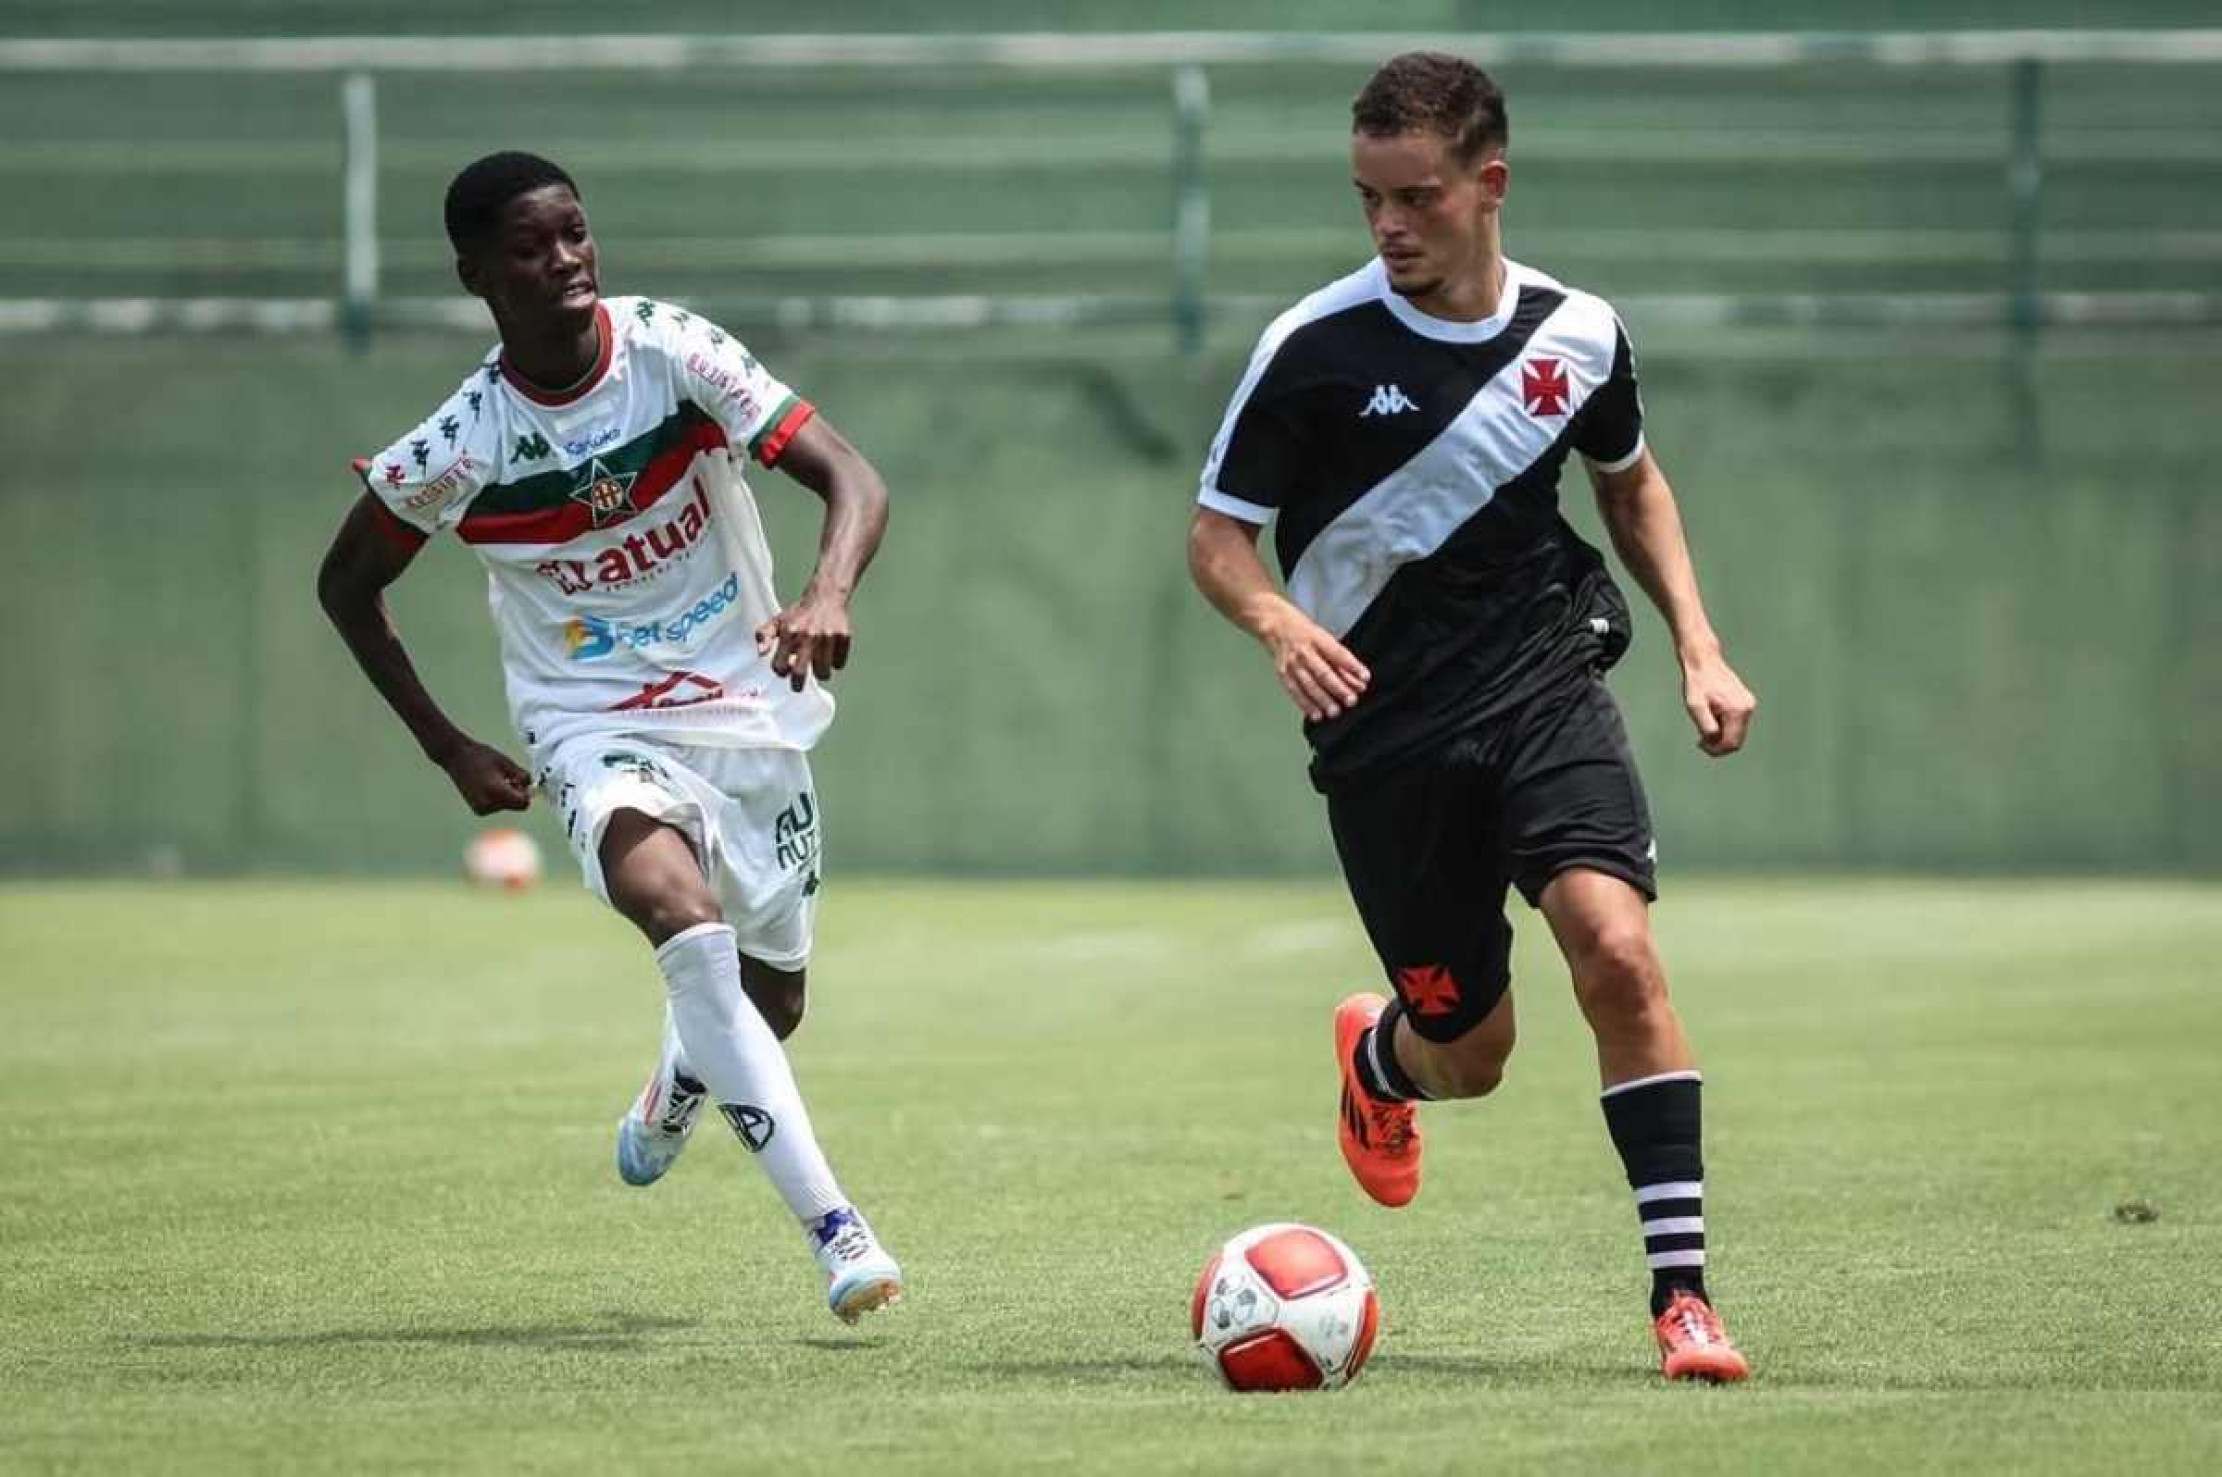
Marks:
<point>1410,465</point>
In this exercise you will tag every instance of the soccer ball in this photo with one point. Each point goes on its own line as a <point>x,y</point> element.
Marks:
<point>503,857</point>
<point>1285,1307</point>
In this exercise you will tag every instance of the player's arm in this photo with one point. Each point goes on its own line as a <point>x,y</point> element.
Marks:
<point>1639,512</point>
<point>813,634</point>
<point>365,558</point>
<point>1319,673</point>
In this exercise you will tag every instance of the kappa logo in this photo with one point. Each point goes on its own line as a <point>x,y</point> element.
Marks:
<point>751,1125</point>
<point>530,448</point>
<point>1428,989</point>
<point>639,766</point>
<point>1387,400</point>
<point>1543,387</point>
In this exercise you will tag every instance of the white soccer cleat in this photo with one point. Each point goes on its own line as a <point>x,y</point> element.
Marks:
<point>860,1275</point>
<point>655,1128</point>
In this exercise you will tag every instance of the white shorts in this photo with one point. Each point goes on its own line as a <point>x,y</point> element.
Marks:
<point>750,814</point>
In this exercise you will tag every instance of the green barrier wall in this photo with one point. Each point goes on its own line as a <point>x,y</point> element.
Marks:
<point>1972,652</point>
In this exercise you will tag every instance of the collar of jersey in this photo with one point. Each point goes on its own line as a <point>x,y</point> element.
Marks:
<point>539,396</point>
<point>1450,330</point>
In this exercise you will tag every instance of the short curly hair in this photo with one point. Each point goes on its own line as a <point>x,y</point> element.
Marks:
<point>1433,91</point>
<point>478,195</point>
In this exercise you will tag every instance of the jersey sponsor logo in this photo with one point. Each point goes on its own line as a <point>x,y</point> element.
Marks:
<point>751,1125</point>
<point>590,637</point>
<point>1543,387</point>
<point>584,444</point>
<point>638,556</point>
<point>1387,400</point>
<point>545,508</point>
<point>728,384</point>
<point>531,447</point>
<point>435,494</point>
<point>679,690</point>
<point>1428,989</point>
<point>607,495</point>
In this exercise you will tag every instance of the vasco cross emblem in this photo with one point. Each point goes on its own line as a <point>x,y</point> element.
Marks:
<point>608,495</point>
<point>1543,387</point>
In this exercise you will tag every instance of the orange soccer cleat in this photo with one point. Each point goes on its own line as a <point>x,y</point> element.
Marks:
<point>1380,1141</point>
<point>1694,1346</point>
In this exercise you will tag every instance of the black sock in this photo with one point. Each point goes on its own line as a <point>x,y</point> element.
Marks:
<point>1655,1126</point>
<point>1374,1060</point>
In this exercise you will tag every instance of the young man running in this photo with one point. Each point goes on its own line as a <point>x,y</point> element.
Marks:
<point>1444,633</point>
<point>665,698</point>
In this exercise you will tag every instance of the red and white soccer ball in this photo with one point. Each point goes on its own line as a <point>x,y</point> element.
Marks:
<point>503,857</point>
<point>1285,1307</point>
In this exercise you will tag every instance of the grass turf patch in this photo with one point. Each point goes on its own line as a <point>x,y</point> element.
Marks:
<point>305,1175</point>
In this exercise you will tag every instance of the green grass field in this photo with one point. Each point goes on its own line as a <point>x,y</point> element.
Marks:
<point>313,1176</point>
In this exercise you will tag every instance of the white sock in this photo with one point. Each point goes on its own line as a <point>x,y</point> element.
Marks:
<point>675,1063</point>
<point>733,1053</point>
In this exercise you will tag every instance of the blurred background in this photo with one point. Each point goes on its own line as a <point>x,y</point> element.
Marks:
<point>1928,299</point>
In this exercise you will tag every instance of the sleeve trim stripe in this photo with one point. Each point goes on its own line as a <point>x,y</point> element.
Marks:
<point>1622,464</point>
<point>401,535</point>
<point>1233,507</point>
<point>793,414</point>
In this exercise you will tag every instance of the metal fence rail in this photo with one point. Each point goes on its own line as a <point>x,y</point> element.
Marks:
<point>2023,59</point>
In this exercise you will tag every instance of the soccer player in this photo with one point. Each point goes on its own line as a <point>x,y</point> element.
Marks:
<point>665,698</point>
<point>1444,633</point>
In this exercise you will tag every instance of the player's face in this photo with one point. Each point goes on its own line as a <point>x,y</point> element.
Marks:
<point>539,267</point>
<point>1430,214</point>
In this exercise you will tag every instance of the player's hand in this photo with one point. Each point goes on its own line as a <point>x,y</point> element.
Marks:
<point>810,637</point>
<point>1719,704</point>
<point>1318,672</point>
<point>487,779</point>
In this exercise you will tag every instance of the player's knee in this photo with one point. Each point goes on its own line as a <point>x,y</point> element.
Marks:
<point>665,915</point>
<point>779,997</point>
<point>1619,977</point>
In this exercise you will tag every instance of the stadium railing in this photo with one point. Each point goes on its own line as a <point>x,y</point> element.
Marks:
<point>2016,298</point>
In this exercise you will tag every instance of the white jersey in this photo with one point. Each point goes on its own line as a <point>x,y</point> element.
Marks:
<point>625,562</point>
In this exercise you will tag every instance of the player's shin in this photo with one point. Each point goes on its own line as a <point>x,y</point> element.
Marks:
<point>729,1047</point>
<point>1655,1124</point>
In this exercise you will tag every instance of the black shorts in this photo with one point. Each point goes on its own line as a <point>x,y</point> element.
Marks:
<point>1429,844</point>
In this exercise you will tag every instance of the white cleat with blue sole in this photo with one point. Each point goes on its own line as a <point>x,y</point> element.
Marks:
<point>655,1128</point>
<point>860,1275</point>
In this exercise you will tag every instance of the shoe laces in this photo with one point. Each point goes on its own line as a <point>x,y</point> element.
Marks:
<point>1389,1126</point>
<point>1691,1320</point>
<point>680,1106</point>
<point>843,1237</point>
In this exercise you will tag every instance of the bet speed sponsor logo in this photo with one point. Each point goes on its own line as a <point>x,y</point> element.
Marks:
<point>591,637</point>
